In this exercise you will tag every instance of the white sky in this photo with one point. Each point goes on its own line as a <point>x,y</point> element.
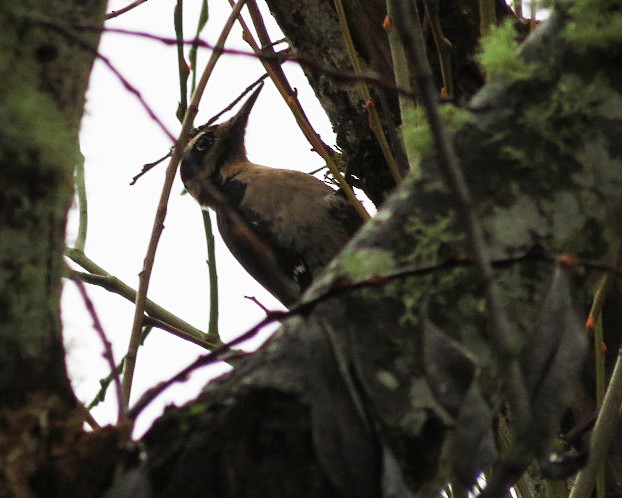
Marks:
<point>117,138</point>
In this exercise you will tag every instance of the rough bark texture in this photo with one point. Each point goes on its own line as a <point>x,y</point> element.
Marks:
<point>44,77</point>
<point>312,29</point>
<point>376,391</point>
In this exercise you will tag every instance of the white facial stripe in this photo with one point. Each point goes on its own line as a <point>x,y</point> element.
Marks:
<point>195,139</point>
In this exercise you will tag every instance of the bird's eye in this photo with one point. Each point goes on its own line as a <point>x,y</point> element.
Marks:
<point>205,142</point>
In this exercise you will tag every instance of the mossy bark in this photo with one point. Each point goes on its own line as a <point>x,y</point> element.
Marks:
<point>44,75</point>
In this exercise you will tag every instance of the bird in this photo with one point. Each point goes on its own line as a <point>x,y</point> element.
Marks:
<point>283,226</point>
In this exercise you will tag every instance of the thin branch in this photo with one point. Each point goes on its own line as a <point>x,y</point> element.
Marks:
<point>182,66</point>
<point>127,8</point>
<point>230,106</point>
<point>126,84</point>
<point>337,74</point>
<point>370,105</point>
<point>443,47</point>
<point>268,57</point>
<point>82,203</point>
<point>192,56</point>
<point>100,277</point>
<point>104,383</point>
<point>217,355</point>
<point>158,223</point>
<point>601,435</point>
<point>148,167</point>
<point>212,328</point>
<point>594,325</point>
<point>108,354</point>
<point>253,299</point>
<point>487,16</point>
<point>403,76</point>
<point>88,417</point>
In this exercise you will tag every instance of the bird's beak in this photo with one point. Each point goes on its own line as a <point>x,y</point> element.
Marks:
<point>238,122</point>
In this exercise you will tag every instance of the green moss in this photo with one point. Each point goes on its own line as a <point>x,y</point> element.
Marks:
<point>417,134</point>
<point>411,301</point>
<point>518,155</point>
<point>387,379</point>
<point>33,123</point>
<point>364,263</point>
<point>500,57</point>
<point>31,120</point>
<point>511,226</point>
<point>431,237</point>
<point>565,115</point>
<point>596,24</point>
<point>37,151</point>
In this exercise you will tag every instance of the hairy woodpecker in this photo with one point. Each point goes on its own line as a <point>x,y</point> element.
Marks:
<point>283,226</point>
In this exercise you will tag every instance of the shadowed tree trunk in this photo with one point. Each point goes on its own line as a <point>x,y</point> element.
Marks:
<point>44,77</point>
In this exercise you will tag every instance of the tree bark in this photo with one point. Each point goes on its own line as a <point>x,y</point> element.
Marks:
<point>44,76</point>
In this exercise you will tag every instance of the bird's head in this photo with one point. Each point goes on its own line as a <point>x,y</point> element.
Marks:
<point>212,149</point>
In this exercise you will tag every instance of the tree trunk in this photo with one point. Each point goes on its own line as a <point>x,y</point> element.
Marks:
<point>44,75</point>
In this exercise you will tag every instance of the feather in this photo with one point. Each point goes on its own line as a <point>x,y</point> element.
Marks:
<point>294,224</point>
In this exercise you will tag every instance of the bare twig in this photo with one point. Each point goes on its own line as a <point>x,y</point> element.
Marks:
<point>216,355</point>
<point>105,382</point>
<point>182,66</point>
<point>212,328</point>
<point>268,57</point>
<point>148,167</point>
<point>338,74</point>
<point>82,203</point>
<point>100,277</point>
<point>443,47</point>
<point>88,417</point>
<point>108,354</point>
<point>127,8</point>
<point>402,75</point>
<point>253,299</point>
<point>250,87</point>
<point>158,224</point>
<point>370,105</point>
<point>594,326</point>
<point>601,435</point>
<point>127,85</point>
